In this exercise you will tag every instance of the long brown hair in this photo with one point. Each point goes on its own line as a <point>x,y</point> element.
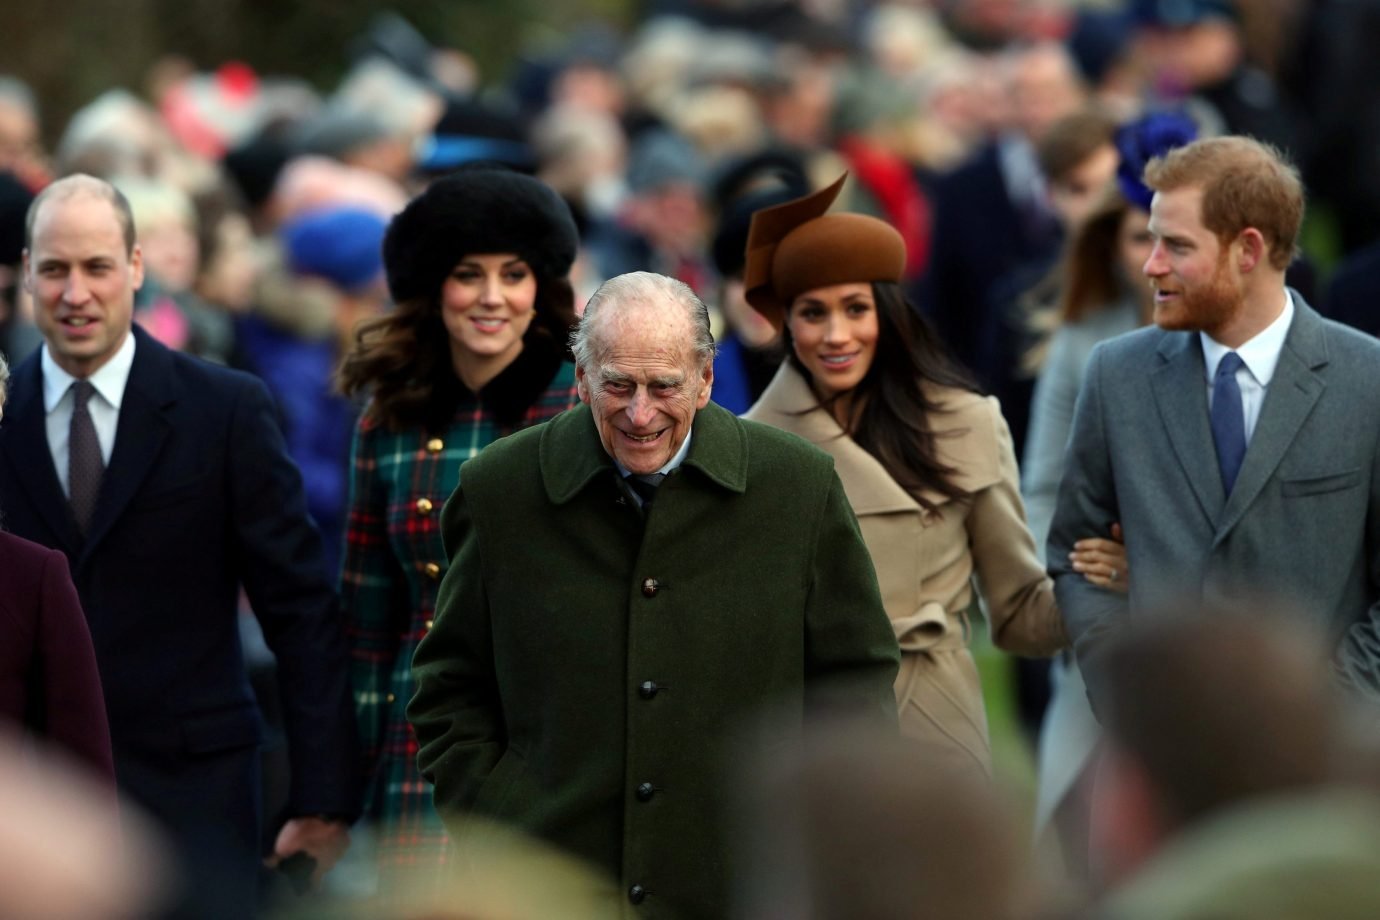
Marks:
<point>1091,279</point>
<point>889,411</point>
<point>403,359</point>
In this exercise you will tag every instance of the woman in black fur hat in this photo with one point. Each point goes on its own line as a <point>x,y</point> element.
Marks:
<point>475,349</point>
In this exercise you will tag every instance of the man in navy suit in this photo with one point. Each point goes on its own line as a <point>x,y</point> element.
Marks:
<point>165,482</point>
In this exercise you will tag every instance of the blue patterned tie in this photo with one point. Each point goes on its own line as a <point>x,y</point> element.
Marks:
<point>85,465</point>
<point>645,487</point>
<point>1228,419</point>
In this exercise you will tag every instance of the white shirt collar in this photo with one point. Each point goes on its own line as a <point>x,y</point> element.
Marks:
<point>109,379</point>
<point>671,464</point>
<point>1260,354</point>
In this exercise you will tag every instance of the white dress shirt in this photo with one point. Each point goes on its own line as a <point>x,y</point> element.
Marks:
<point>104,406</point>
<point>1259,358</point>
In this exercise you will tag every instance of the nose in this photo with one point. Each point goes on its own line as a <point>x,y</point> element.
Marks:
<point>836,330</point>
<point>492,292</point>
<point>77,292</point>
<point>1155,264</point>
<point>640,409</point>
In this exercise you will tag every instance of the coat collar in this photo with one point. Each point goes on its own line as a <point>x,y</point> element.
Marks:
<point>788,403</point>
<point>571,455</point>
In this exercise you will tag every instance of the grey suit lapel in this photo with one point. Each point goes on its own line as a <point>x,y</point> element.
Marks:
<point>1180,390</point>
<point>1293,391</point>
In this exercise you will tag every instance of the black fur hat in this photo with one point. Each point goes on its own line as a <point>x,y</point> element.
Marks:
<point>478,209</point>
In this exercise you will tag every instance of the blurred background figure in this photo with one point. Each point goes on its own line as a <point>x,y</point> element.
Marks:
<point>21,145</point>
<point>18,334</point>
<point>1181,753</point>
<point>852,825</point>
<point>65,851</point>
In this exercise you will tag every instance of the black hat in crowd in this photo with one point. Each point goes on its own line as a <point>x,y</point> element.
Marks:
<point>482,208</point>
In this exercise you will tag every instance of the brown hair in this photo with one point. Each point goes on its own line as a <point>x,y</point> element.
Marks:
<point>1072,139</point>
<point>403,359</point>
<point>1245,183</point>
<point>1089,271</point>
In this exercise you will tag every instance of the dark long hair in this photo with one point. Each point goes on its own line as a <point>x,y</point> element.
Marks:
<point>403,360</point>
<point>889,411</point>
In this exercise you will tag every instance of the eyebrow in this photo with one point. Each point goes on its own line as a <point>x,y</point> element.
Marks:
<point>473,263</point>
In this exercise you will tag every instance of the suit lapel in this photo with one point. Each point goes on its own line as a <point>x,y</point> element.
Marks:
<point>1290,397</point>
<point>1180,389</point>
<point>142,430</point>
<point>25,445</point>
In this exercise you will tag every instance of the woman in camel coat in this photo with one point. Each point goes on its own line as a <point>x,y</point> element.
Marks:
<point>927,463</point>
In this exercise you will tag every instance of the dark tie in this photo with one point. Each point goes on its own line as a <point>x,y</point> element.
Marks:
<point>1228,419</point>
<point>645,487</point>
<point>84,464</point>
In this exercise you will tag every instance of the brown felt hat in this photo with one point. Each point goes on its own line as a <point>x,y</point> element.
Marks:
<point>796,247</point>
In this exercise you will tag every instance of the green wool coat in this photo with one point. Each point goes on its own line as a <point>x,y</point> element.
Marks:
<point>589,670</point>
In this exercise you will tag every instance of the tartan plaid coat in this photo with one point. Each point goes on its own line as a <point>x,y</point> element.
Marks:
<point>394,560</point>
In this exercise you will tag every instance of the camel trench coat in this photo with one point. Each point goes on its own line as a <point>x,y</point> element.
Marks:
<point>928,562</point>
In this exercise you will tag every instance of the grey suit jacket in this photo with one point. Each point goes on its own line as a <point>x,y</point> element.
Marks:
<point>1302,524</point>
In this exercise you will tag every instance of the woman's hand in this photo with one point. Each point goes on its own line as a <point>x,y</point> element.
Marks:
<point>1102,561</point>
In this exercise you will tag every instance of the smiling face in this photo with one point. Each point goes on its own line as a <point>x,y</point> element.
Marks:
<point>487,303</point>
<point>82,280</point>
<point>1190,271</point>
<point>645,385</point>
<point>834,333</point>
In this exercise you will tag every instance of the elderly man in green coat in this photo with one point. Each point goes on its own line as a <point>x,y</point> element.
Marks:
<point>635,586</point>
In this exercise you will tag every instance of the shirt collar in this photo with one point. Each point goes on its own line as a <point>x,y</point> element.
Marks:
<point>671,464</point>
<point>1260,354</point>
<point>109,379</point>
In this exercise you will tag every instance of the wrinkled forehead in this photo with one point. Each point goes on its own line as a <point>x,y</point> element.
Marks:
<point>647,330</point>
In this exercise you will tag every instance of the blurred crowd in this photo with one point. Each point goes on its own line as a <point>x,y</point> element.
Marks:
<point>1003,140</point>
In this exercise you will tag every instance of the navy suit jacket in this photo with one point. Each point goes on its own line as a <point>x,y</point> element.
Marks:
<point>199,498</point>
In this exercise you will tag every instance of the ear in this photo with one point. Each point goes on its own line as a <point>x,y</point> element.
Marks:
<point>708,386</point>
<point>24,272</point>
<point>1251,250</point>
<point>136,265</point>
<point>582,384</point>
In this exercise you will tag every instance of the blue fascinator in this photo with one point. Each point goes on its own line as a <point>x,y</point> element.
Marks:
<point>1140,141</point>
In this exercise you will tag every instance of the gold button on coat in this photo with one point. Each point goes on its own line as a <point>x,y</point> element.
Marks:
<point>435,445</point>
<point>432,570</point>
<point>424,505</point>
<point>430,623</point>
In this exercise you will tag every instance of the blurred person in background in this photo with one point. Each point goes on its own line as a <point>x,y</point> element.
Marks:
<point>854,825</point>
<point>21,146</point>
<point>1077,161</point>
<point>993,214</point>
<point>745,343</point>
<point>926,462</point>
<point>295,344</point>
<point>1179,752</point>
<point>18,334</point>
<point>474,349</point>
<point>49,684</point>
<point>167,305</point>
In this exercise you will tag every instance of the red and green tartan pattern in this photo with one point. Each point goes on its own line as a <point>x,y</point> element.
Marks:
<point>389,599</point>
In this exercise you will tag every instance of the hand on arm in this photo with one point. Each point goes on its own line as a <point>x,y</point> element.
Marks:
<point>1103,561</point>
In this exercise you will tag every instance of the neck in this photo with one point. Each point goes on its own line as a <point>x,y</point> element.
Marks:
<point>1258,311</point>
<point>475,371</point>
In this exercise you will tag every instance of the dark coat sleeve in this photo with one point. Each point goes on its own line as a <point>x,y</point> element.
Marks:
<point>73,706</point>
<point>284,575</point>
<point>851,655</point>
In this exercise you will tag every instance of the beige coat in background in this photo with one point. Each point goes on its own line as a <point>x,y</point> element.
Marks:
<point>926,561</point>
